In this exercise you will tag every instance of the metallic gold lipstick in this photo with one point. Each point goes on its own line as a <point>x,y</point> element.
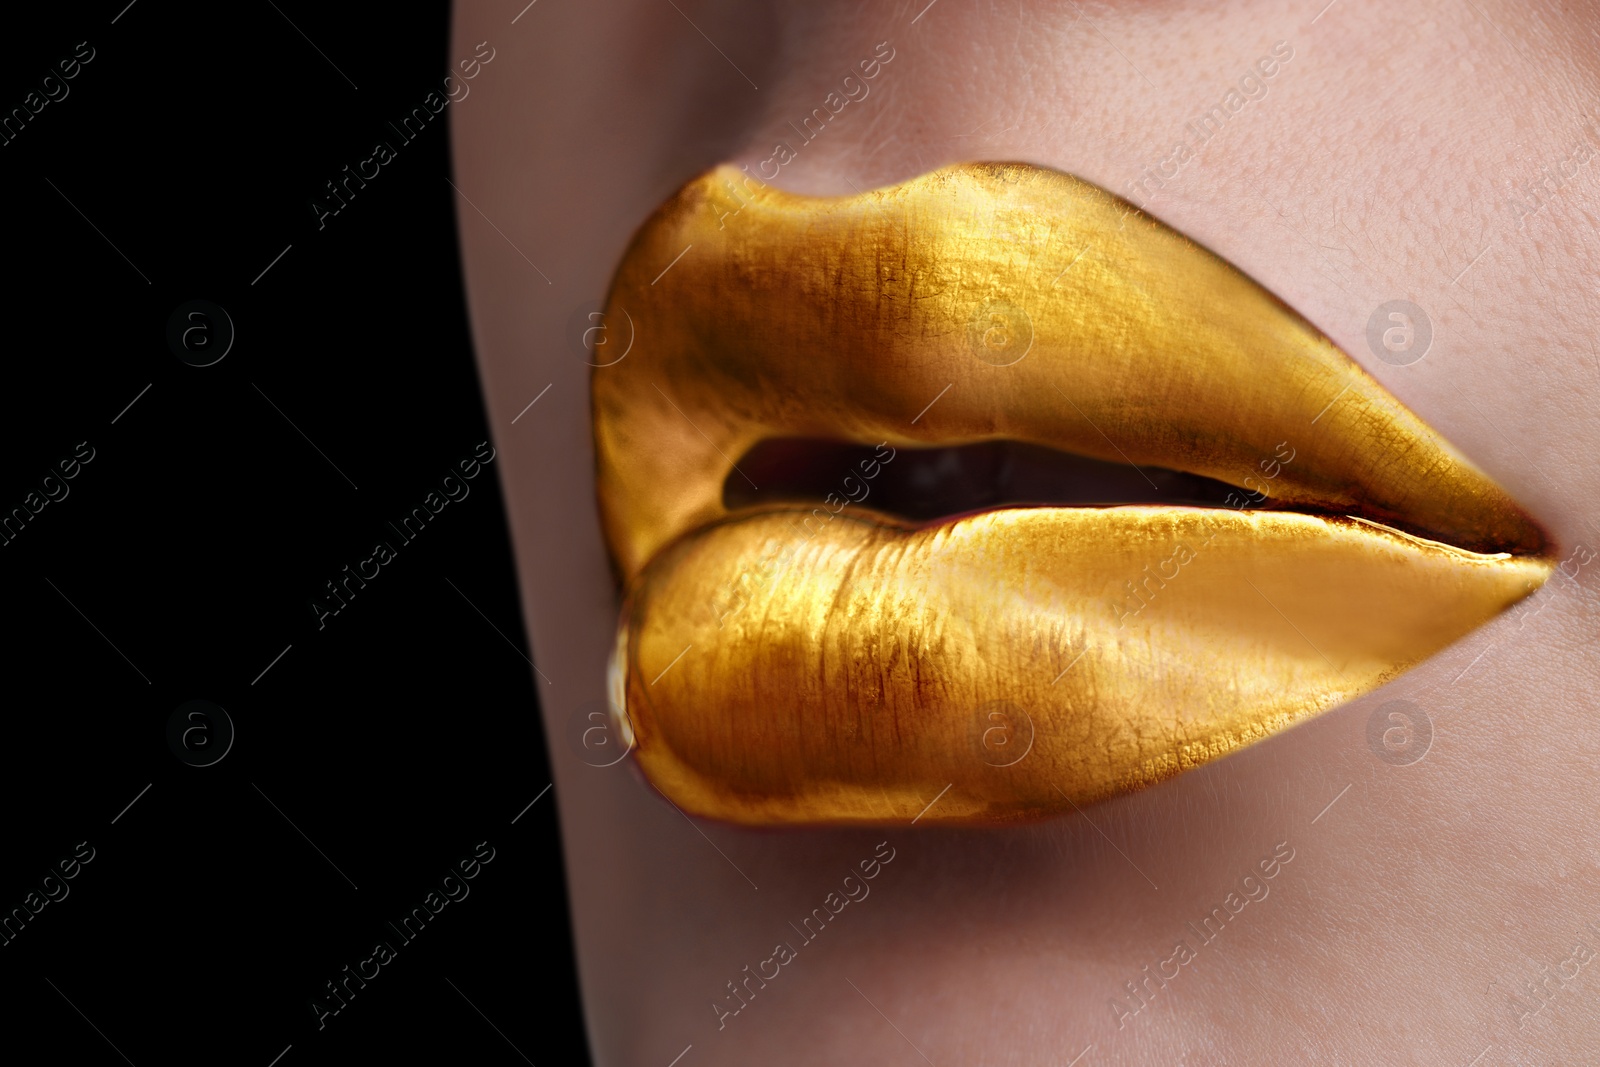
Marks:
<point>793,663</point>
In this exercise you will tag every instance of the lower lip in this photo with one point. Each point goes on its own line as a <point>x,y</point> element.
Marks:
<point>772,675</point>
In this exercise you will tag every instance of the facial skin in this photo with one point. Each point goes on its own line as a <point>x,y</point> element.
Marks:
<point>1390,158</point>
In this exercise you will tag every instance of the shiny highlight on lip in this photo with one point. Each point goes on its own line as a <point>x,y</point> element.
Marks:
<point>987,303</point>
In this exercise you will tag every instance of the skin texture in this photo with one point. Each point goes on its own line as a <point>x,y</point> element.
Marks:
<point>1380,164</point>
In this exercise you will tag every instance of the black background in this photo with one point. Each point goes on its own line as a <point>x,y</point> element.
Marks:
<point>376,751</point>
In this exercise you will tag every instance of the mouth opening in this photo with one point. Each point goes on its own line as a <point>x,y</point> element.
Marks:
<point>922,485</point>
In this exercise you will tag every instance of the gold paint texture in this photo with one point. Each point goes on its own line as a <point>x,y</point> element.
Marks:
<point>851,673</point>
<point>867,669</point>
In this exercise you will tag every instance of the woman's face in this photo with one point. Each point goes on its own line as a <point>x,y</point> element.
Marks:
<point>1373,906</point>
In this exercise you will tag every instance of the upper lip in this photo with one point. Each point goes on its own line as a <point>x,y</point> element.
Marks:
<point>844,318</point>
<point>985,302</point>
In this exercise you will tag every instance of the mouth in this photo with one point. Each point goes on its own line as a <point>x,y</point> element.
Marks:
<point>981,488</point>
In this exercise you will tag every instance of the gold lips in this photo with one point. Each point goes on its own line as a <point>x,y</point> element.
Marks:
<point>799,664</point>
